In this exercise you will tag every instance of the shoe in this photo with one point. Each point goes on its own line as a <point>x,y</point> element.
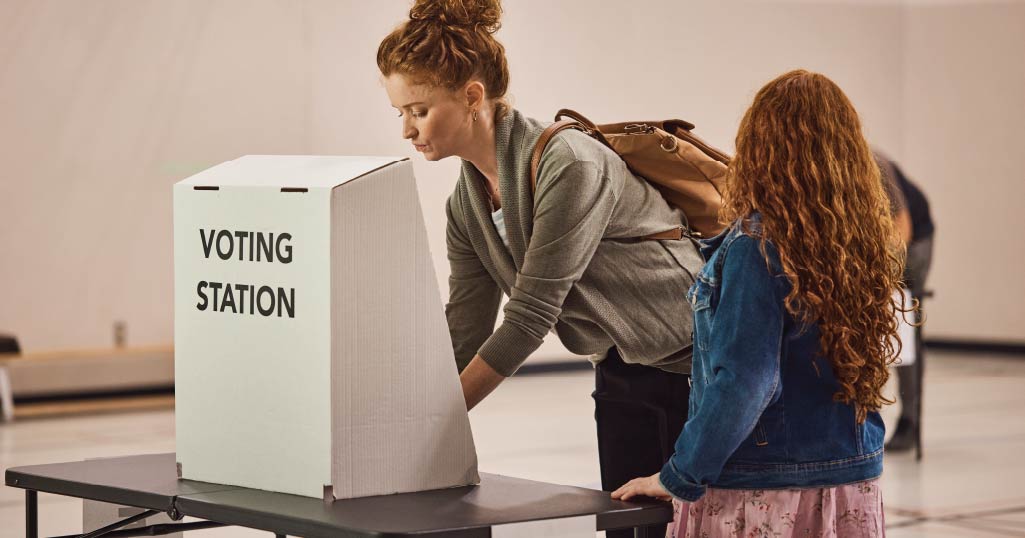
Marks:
<point>904,438</point>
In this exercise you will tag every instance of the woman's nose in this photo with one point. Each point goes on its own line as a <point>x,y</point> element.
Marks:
<point>408,131</point>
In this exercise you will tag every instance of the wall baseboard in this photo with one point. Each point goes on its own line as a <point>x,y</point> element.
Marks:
<point>580,364</point>
<point>975,346</point>
<point>127,392</point>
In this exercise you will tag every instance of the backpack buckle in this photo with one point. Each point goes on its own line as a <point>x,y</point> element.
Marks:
<point>638,128</point>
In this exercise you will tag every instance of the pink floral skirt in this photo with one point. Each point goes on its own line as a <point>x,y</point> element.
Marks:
<point>850,511</point>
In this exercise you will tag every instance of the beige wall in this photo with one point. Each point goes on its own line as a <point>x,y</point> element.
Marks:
<point>964,117</point>
<point>105,105</point>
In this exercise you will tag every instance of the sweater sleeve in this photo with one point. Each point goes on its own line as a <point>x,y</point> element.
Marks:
<point>572,208</point>
<point>473,295</point>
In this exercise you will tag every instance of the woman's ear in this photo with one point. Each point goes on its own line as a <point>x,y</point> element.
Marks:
<point>474,94</point>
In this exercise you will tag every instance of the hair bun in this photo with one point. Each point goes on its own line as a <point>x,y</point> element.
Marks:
<point>473,14</point>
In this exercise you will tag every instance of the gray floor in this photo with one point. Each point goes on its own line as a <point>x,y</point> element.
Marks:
<point>541,427</point>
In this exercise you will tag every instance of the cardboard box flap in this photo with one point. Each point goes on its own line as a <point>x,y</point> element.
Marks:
<point>288,171</point>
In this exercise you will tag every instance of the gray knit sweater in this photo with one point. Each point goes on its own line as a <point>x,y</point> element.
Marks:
<point>571,263</point>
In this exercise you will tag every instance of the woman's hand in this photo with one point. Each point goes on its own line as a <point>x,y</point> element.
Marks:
<point>478,380</point>
<point>648,486</point>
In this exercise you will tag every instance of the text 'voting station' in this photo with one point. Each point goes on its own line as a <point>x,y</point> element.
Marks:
<point>252,299</point>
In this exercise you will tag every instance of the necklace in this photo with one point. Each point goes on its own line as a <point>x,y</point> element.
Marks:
<point>491,197</point>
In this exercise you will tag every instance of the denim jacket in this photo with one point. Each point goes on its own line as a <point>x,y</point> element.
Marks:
<point>762,414</point>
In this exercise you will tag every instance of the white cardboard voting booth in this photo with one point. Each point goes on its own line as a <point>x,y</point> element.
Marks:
<point>312,354</point>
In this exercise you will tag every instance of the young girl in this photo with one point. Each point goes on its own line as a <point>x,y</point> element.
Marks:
<point>566,256</point>
<point>794,328</point>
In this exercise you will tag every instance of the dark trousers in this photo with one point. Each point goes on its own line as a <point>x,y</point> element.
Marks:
<point>640,411</point>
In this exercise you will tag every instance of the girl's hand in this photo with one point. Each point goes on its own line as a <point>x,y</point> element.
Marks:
<point>648,486</point>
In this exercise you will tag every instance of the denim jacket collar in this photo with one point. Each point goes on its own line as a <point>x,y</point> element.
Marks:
<point>710,245</point>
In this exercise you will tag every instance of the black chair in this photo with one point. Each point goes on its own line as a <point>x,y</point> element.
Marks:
<point>920,369</point>
<point>8,346</point>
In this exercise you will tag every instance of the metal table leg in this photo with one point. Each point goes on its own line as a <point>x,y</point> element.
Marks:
<point>31,514</point>
<point>118,524</point>
<point>159,529</point>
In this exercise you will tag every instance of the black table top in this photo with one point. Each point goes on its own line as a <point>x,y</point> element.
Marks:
<point>150,481</point>
<point>146,481</point>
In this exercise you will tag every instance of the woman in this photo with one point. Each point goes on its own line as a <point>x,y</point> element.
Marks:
<point>794,328</point>
<point>567,256</point>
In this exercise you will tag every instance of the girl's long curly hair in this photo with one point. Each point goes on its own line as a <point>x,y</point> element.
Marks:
<point>803,163</point>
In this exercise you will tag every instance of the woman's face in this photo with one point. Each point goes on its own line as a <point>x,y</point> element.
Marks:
<point>435,120</point>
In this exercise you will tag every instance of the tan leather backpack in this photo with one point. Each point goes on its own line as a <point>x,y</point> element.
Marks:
<point>688,172</point>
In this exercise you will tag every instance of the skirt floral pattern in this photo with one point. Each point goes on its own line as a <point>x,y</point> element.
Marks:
<point>849,511</point>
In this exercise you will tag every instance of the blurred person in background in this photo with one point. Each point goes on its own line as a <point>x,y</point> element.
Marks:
<point>914,221</point>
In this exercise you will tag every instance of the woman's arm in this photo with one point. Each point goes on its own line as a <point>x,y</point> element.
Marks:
<point>572,209</point>
<point>473,296</point>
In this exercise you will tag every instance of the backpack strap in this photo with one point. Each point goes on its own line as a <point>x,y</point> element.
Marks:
<point>546,136</point>
<point>582,124</point>
<point>575,116</point>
